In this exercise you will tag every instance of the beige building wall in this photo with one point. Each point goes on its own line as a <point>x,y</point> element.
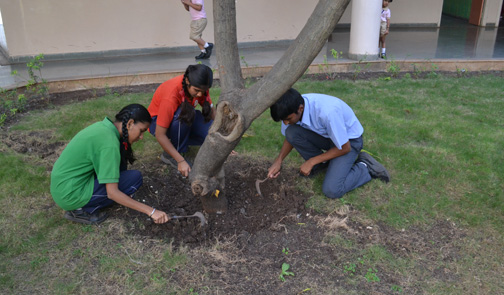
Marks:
<point>59,27</point>
<point>85,27</point>
<point>82,26</point>
<point>409,12</point>
<point>271,20</point>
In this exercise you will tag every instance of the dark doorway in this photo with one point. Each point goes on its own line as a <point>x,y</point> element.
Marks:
<point>458,8</point>
<point>501,19</point>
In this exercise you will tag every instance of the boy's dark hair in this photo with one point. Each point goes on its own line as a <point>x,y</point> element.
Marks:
<point>287,104</point>
<point>200,76</point>
<point>138,113</point>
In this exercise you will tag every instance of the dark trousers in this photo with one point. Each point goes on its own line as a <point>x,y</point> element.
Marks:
<point>182,135</point>
<point>129,182</point>
<point>343,174</point>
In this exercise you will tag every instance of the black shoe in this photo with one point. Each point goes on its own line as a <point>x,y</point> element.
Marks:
<point>376,170</point>
<point>82,216</point>
<point>202,55</point>
<point>167,159</point>
<point>384,56</point>
<point>209,49</point>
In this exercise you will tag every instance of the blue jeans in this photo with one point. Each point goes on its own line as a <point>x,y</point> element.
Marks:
<point>182,135</point>
<point>343,174</point>
<point>129,182</point>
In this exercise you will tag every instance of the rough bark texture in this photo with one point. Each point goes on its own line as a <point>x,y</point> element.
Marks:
<point>238,107</point>
<point>226,44</point>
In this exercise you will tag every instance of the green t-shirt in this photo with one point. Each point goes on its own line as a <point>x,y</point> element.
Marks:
<point>93,152</point>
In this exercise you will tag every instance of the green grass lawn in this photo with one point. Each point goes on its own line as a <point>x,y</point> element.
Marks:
<point>441,139</point>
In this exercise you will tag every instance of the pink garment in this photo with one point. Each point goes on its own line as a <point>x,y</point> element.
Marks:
<point>195,15</point>
<point>385,14</point>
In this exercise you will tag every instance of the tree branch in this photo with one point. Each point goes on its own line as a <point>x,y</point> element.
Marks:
<point>296,59</point>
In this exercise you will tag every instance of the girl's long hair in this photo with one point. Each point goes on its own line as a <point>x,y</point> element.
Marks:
<point>138,113</point>
<point>199,76</point>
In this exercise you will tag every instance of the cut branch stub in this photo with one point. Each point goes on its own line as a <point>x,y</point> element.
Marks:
<point>197,188</point>
<point>202,185</point>
<point>227,123</point>
<point>206,188</point>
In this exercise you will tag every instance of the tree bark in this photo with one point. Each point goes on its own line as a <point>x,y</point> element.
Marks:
<point>227,45</point>
<point>238,107</point>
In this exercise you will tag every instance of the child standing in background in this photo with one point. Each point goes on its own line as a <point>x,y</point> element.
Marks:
<point>384,27</point>
<point>198,23</point>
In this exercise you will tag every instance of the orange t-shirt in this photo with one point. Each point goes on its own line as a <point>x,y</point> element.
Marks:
<point>168,97</point>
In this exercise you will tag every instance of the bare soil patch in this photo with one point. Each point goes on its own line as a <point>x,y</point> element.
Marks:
<point>248,212</point>
<point>33,143</point>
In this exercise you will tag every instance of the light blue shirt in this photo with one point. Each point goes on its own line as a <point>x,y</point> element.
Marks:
<point>329,117</point>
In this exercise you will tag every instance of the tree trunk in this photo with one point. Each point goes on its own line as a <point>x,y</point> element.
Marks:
<point>238,107</point>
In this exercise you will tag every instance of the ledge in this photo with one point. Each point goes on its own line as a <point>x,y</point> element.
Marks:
<point>259,71</point>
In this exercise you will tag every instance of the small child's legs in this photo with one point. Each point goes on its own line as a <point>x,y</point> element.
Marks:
<point>383,36</point>
<point>197,27</point>
<point>382,43</point>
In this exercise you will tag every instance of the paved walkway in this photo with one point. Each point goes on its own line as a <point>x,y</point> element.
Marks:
<point>455,40</point>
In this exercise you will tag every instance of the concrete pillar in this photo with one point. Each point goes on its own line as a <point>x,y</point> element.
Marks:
<point>491,13</point>
<point>365,29</point>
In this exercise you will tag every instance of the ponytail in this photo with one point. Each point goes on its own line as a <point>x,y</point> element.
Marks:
<point>206,111</point>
